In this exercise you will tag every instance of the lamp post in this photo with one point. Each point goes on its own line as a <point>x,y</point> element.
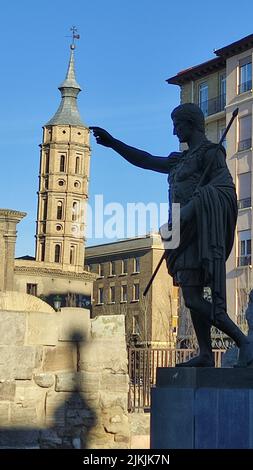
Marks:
<point>57,303</point>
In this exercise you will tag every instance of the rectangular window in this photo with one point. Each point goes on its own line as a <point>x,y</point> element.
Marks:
<point>101,271</point>
<point>245,75</point>
<point>112,294</point>
<point>78,164</point>
<point>203,98</point>
<point>31,289</point>
<point>44,210</point>
<point>42,251</point>
<point>244,248</point>
<point>244,190</point>
<point>137,264</point>
<point>72,255</point>
<point>47,162</point>
<point>112,268</point>
<point>62,163</point>
<point>124,293</point>
<point>245,132</point>
<point>59,210</point>
<point>57,253</point>
<point>135,325</point>
<point>136,292</point>
<point>124,266</point>
<point>100,295</point>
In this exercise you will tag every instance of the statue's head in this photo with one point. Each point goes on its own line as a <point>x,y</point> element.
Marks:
<point>186,118</point>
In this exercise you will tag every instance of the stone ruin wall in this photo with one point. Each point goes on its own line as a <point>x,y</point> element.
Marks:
<point>58,390</point>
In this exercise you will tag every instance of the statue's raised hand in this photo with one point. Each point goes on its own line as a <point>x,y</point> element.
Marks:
<point>102,136</point>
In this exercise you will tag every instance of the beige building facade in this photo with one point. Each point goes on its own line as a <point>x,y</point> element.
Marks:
<point>123,270</point>
<point>219,86</point>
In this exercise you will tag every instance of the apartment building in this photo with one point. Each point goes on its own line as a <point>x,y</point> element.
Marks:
<point>123,269</point>
<point>219,86</point>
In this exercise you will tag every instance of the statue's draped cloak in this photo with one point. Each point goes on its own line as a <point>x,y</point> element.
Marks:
<point>206,241</point>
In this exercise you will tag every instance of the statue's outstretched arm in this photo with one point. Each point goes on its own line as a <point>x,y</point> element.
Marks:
<point>133,155</point>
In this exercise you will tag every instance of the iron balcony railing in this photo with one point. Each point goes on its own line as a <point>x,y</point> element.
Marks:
<point>244,203</point>
<point>244,86</point>
<point>244,144</point>
<point>244,260</point>
<point>214,105</point>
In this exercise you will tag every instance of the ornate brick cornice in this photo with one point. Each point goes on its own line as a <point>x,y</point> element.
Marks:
<point>12,213</point>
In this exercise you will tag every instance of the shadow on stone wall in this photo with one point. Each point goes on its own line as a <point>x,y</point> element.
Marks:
<point>71,422</point>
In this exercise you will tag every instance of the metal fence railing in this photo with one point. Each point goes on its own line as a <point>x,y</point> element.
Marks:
<point>142,364</point>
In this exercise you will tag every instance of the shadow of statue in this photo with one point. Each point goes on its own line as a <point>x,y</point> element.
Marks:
<point>75,417</point>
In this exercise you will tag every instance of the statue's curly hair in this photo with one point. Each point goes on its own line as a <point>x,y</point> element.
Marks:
<point>190,112</point>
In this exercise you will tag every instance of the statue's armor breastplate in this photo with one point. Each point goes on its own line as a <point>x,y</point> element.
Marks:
<point>184,177</point>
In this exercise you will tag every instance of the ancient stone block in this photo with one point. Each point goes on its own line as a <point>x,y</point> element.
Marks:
<point>23,416</point>
<point>60,357</point>
<point>7,390</point>
<point>17,362</point>
<point>45,380</point>
<point>67,381</point>
<point>116,382</point>
<point>55,409</point>
<point>110,398</point>
<point>12,328</point>
<point>42,328</point>
<point>104,354</point>
<point>83,381</point>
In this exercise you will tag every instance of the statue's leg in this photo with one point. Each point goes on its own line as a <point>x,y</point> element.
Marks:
<point>202,327</point>
<point>227,326</point>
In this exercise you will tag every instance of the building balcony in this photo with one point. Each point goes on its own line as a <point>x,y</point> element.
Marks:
<point>244,203</point>
<point>213,106</point>
<point>244,260</point>
<point>245,86</point>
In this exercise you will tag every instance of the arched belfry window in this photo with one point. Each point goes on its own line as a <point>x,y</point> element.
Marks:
<point>42,251</point>
<point>72,255</point>
<point>57,253</point>
<point>47,162</point>
<point>74,211</point>
<point>62,163</point>
<point>59,210</point>
<point>44,209</point>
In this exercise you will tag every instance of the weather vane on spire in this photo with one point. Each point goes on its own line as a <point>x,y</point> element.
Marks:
<point>74,36</point>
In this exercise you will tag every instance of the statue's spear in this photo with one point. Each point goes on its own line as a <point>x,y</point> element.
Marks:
<point>202,179</point>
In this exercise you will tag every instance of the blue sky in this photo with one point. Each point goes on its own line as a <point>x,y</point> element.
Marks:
<point>127,50</point>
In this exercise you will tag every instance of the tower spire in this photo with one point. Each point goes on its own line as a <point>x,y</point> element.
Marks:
<point>68,112</point>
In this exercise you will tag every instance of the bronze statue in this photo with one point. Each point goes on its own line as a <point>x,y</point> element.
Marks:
<point>208,214</point>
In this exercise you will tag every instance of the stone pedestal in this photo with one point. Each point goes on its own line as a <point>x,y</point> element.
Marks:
<point>202,408</point>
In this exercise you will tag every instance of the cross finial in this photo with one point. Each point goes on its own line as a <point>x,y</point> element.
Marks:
<point>74,36</point>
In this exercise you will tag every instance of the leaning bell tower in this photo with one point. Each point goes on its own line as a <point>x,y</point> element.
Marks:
<point>63,181</point>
